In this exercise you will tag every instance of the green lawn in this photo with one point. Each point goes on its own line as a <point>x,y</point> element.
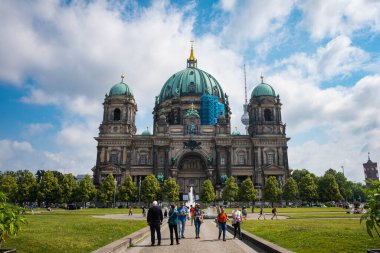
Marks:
<point>322,235</point>
<point>72,231</point>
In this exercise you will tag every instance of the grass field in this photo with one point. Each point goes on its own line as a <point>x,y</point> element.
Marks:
<point>71,231</point>
<point>314,235</point>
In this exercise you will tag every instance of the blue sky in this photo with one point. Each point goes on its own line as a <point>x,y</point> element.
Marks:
<point>59,58</point>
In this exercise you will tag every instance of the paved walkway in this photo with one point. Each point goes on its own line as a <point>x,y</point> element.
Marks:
<point>207,243</point>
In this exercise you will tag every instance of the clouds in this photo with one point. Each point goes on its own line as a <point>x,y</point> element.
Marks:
<point>342,17</point>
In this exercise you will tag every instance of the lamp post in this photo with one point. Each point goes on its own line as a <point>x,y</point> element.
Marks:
<point>114,194</point>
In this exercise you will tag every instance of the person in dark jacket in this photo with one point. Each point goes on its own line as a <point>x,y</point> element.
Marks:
<point>154,220</point>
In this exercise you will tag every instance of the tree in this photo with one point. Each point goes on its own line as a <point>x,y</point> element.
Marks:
<point>69,188</point>
<point>247,191</point>
<point>299,174</point>
<point>342,182</point>
<point>128,191</point>
<point>170,190</point>
<point>27,187</point>
<point>358,191</point>
<point>9,187</point>
<point>149,189</point>
<point>49,190</point>
<point>308,189</point>
<point>290,190</point>
<point>106,191</point>
<point>230,190</point>
<point>207,192</point>
<point>11,219</point>
<point>328,189</point>
<point>372,217</point>
<point>86,190</point>
<point>272,191</point>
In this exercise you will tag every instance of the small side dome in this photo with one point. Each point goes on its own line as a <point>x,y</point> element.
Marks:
<point>192,112</point>
<point>236,132</point>
<point>146,132</point>
<point>121,89</point>
<point>263,89</point>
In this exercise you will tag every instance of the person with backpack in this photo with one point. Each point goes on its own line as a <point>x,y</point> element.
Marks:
<point>274,212</point>
<point>262,214</point>
<point>221,221</point>
<point>173,221</point>
<point>198,220</point>
<point>244,213</point>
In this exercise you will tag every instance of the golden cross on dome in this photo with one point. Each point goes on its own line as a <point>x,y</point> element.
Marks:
<point>192,106</point>
<point>122,77</point>
<point>262,77</point>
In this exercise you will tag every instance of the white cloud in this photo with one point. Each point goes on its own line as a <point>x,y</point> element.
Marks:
<point>227,5</point>
<point>251,20</point>
<point>37,128</point>
<point>339,58</point>
<point>39,97</point>
<point>340,17</point>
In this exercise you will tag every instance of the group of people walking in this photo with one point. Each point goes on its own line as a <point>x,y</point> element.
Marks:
<point>177,217</point>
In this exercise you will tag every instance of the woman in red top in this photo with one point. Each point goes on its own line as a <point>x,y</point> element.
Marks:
<point>222,219</point>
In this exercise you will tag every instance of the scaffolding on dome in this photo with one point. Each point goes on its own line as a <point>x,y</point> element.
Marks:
<point>210,110</point>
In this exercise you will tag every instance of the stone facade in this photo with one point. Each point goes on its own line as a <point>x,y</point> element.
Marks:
<point>181,147</point>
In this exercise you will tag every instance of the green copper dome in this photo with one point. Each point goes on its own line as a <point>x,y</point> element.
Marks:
<point>263,89</point>
<point>236,132</point>
<point>189,82</point>
<point>146,132</point>
<point>121,89</point>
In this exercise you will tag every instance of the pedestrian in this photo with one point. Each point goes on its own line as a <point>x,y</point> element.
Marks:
<point>244,213</point>
<point>262,214</point>
<point>130,210</point>
<point>198,220</point>
<point>221,220</point>
<point>182,216</point>
<point>191,214</point>
<point>165,212</point>
<point>143,211</point>
<point>173,221</point>
<point>154,220</point>
<point>236,221</point>
<point>274,212</point>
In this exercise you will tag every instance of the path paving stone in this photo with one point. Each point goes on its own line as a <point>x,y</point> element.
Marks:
<point>207,243</point>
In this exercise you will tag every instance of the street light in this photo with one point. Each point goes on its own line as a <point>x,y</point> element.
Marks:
<point>114,195</point>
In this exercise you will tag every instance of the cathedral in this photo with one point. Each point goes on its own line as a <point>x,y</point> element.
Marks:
<point>192,139</point>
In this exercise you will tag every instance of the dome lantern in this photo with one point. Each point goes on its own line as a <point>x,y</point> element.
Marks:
<point>192,61</point>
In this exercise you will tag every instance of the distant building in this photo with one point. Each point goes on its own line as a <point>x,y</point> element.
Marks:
<point>79,178</point>
<point>370,170</point>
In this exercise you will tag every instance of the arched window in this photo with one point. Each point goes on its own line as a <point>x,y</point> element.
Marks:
<point>270,158</point>
<point>268,115</point>
<point>116,114</point>
<point>191,87</point>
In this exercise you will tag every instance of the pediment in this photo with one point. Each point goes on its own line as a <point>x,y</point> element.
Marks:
<point>272,169</point>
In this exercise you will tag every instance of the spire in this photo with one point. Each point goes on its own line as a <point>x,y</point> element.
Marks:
<point>245,85</point>
<point>262,78</point>
<point>122,77</point>
<point>369,159</point>
<point>192,61</point>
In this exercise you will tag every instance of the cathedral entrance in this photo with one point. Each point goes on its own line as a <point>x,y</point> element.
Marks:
<point>191,173</point>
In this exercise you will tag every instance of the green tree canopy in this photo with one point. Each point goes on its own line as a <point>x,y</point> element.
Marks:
<point>69,187</point>
<point>341,180</point>
<point>27,187</point>
<point>328,189</point>
<point>272,191</point>
<point>8,185</point>
<point>299,174</point>
<point>290,190</point>
<point>247,191</point>
<point>149,189</point>
<point>128,191</point>
<point>207,192</point>
<point>230,190</point>
<point>107,190</point>
<point>308,189</point>
<point>170,190</point>
<point>86,190</point>
<point>372,217</point>
<point>49,190</point>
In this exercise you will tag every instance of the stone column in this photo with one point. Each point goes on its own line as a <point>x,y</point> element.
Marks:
<point>166,166</point>
<point>217,169</point>
<point>155,160</point>
<point>229,164</point>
